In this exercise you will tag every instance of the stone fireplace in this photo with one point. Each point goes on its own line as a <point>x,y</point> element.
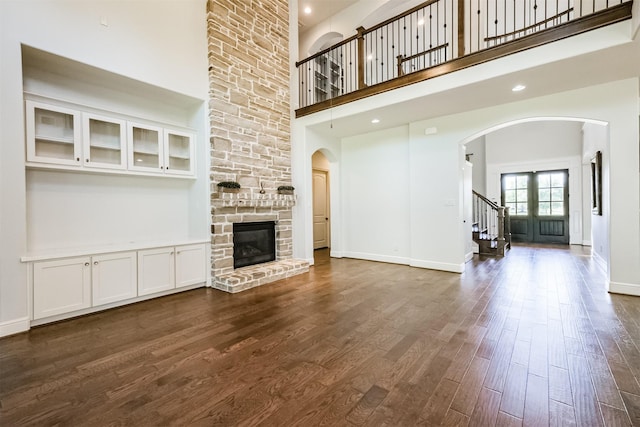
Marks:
<point>250,119</point>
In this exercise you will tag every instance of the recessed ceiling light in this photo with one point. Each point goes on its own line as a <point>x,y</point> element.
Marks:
<point>370,57</point>
<point>374,121</point>
<point>518,88</point>
<point>307,10</point>
<point>421,21</point>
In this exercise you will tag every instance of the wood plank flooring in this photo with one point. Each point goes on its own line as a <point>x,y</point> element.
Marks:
<point>530,339</point>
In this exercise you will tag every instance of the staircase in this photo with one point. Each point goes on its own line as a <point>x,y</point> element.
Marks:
<point>491,226</point>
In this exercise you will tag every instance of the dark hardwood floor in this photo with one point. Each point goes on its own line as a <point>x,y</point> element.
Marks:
<point>529,339</point>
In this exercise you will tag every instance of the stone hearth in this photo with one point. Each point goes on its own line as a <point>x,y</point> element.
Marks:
<point>230,208</point>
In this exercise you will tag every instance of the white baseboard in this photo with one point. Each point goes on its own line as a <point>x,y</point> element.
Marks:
<point>468,257</point>
<point>335,254</point>
<point>311,261</point>
<point>377,257</point>
<point>599,261</point>
<point>586,243</point>
<point>14,326</point>
<point>624,288</point>
<point>442,266</point>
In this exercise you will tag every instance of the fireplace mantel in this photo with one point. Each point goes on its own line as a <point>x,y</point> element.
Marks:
<point>233,200</point>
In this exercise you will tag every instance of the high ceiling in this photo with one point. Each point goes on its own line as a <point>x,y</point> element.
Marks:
<point>320,10</point>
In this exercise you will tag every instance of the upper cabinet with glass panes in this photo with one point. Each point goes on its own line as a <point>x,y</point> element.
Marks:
<point>53,134</point>
<point>66,138</point>
<point>104,142</point>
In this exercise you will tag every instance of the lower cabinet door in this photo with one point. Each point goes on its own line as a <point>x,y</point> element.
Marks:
<point>156,270</point>
<point>61,286</point>
<point>114,277</point>
<point>190,265</point>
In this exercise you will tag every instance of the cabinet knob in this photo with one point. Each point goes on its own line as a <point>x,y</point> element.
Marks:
<point>86,264</point>
<point>77,159</point>
<point>86,160</point>
<point>95,262</point>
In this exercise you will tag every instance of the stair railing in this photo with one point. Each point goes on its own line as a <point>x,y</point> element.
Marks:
<point>491,221</point>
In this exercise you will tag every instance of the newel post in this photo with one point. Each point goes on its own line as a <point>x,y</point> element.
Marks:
<point>361,57</point>
<point>501,210</point>
<point>461,28</point>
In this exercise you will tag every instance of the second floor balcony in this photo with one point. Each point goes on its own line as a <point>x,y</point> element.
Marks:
<point>439,37</point>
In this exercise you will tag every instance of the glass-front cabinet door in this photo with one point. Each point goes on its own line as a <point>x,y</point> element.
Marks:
<point>178,152</point>
<point>104,142</point>
<point>145,148</point>
<point>53,134</point>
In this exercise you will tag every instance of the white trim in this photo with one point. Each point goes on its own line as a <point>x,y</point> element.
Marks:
<point>431,265</point>
<point>586,243</point>
<point>624,288</point>
<point>336,254</point>
<point>14,326</point>
<point>311,261</point>
<point>441,266</point>
<point>376,257</point>
<point>468,257</point>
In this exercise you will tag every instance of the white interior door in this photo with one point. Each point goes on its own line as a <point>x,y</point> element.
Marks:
<point>320,210</point>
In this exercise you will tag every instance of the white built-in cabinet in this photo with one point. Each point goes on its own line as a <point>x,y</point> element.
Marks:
<point>65,286</point>
<point>189,266</point>
<point>67,138</point>
<point>163,269</point>
<point>53,134</point>
<point>113,277</point>
<point>104,141</point>
<point>156,269</point>
<point>61,286</point>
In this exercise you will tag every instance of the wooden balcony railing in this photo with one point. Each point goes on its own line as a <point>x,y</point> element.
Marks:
<point>438,37</point>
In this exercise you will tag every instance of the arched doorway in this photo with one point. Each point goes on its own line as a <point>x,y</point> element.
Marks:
<point>541,168</point>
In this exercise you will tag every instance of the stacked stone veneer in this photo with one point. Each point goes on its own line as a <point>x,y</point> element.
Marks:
<point>250,133</point>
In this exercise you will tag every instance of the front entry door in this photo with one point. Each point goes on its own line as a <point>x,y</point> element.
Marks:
<point>539,206</point>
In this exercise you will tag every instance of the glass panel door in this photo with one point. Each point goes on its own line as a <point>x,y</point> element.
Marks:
<point>104,142</point>
<point>178,152</point>
<point>52,134</point>
<point>145,148</point>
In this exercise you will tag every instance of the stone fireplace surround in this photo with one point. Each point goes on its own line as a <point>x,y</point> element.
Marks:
<point>250,118</point>
<point>230,208</point>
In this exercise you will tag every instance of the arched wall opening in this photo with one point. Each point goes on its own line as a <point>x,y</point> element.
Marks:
<point>324,41</point>
<point>532,145</point>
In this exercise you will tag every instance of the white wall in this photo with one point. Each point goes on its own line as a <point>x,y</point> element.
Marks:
<point>477,147</point>
<point>534,141</point>
<point>162,44</point>
<point>596,139</point>
<point>375,186</point>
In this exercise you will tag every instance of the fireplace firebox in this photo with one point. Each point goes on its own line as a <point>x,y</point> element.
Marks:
<point>253,243</point>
